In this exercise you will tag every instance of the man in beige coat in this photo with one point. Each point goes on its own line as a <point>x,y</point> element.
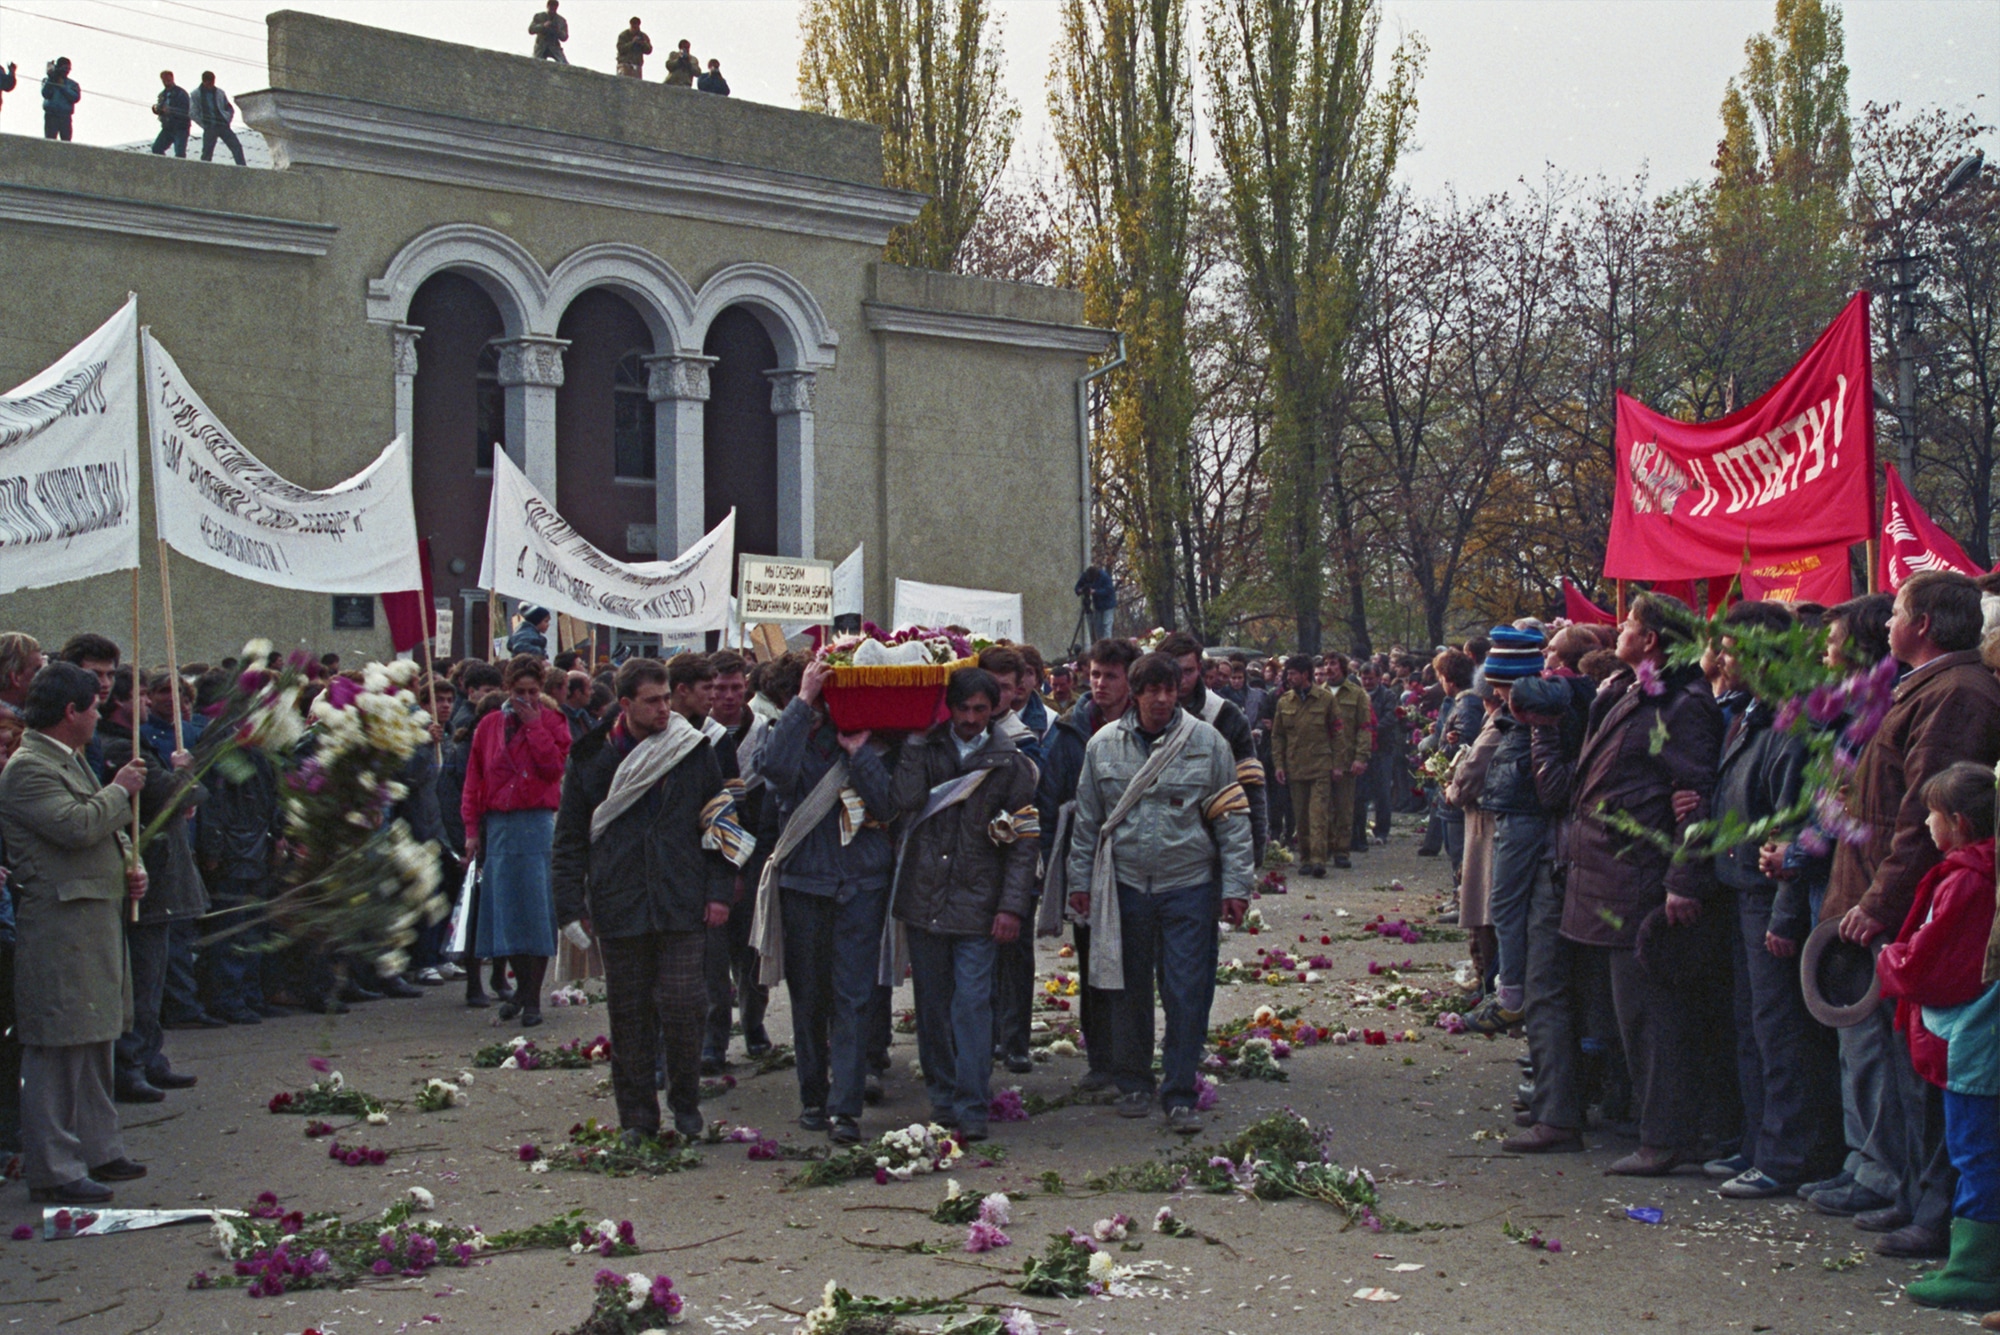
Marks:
<point>67,851</point>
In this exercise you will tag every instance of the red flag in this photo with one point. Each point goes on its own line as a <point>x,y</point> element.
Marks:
<point>1682,589</point>
<point>1818,577</point>
<point>1580,609</point>
<point>1911,542</point>
<point>412,616</point>
<point>1791,475</point>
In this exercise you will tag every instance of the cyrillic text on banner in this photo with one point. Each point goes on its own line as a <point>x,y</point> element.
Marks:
<point>218,503</point>
<point>69,463</point>
<point>533,553</point>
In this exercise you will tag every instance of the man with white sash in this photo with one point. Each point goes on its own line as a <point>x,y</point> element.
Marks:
<point>1227,718</point>
<point>1160,847</point>
<point>647,849</point>
<point>965,883</point>
<point>823,898</point>
<point>1108,700</point>
<point>731,962</point>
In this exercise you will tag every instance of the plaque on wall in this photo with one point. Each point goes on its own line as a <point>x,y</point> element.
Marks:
<point>354,611</point>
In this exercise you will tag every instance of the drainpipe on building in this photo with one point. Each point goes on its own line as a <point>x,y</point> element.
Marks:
<point>1083,452</point>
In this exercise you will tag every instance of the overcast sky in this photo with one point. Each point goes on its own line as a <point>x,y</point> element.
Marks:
<point>1607,87</point>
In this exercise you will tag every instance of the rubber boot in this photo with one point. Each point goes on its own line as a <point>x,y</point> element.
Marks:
<point>1971,1274</point>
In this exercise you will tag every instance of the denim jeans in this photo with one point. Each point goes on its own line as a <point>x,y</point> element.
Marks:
<point>1171,935</point>
<point>1100,623</point>
<point>230,968</point>
<point>1518,844</point>
<point>832,951</point>
<point>953,977</point>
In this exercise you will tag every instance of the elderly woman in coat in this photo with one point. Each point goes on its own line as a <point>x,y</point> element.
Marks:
<point>72,986</point>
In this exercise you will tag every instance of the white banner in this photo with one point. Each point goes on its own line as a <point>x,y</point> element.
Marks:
<point>997,616</point>
<point>69,463</point>
<point>847,584</point>
<point>217,502</point>
<point>533,553</point>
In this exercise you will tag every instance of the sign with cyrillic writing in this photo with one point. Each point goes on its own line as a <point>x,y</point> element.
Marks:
<point>784,588</point>
<point>533,553</point>
<point>69,463</point>
<point>997,616</point>
<point>217,502</point>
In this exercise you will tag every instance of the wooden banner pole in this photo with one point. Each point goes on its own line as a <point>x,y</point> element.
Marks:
<point>493,635</point>
<point>173,657</point>
<point>1621,601</point>
<point>137,703</point>
<point>1868,548</point>
<point>430,682</point>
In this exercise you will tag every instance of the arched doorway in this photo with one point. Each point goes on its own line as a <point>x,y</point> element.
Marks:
<point>740,432</point>
<point>458,415</point>
<point>605,454</point>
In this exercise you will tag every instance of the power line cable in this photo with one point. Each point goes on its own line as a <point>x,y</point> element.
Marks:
<point>221,14</point>
<point>168,18</point>
<point>132,37</point>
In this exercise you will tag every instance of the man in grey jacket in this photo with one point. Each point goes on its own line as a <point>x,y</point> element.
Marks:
<point>964,885</point>
<point>1162,841</point>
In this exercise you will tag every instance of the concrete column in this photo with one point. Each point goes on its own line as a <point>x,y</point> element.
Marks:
<point>531,371</point>
<point>403,349</point>
<point>678,387</point>
<point>792,402</point>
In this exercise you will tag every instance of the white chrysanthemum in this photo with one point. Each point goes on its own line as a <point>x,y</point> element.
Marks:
<point>223,1234</point>
<point>1102,1267</point>
<point>639,1288</point>
<point>952,1191</point>
<point>421,1198</point>
<point>378,1118</point>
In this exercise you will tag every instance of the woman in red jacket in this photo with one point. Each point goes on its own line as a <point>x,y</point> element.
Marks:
<point>513,785</point>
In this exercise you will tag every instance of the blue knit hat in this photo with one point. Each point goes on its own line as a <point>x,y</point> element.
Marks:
<point>1515,654</point>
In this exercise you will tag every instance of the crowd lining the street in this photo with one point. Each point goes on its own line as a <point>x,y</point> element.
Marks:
<point>698,830</point>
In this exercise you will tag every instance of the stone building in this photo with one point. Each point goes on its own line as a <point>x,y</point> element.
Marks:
<point>661,304</point>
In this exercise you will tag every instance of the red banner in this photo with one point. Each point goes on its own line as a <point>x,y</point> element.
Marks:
<point>1818,577</point>
<point>412,616</point>
<point>1787,477</point>
<point>1911,542</point>
<point>1581,610</point>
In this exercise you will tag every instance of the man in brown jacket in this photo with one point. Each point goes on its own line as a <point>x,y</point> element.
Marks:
<point>1319,745</point>
<point>1653,730</point>
<point>1946,709</point>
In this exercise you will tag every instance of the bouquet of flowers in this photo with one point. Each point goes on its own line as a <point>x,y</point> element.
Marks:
<point>892,1156</point>
<point>630,1304</point>
<point>272,1250</point>
<point>520,1053</point>
<point>358,882</point>
<point>328,1094</point>
<point>933,645</point>
<point>1439,764</point>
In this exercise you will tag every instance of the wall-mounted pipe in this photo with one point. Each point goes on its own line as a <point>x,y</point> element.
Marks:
<point>1083,478</point>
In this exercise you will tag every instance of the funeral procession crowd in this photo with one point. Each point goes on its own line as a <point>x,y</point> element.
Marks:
<point>703,822</point>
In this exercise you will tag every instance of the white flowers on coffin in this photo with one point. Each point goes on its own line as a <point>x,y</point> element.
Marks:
<point>911,653</point>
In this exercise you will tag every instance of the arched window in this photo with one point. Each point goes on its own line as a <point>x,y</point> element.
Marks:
<point>632,420</point>
<point>492,407</point>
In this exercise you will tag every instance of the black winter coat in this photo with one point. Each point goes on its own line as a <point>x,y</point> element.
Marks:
<point>174,889</point>
<point>649,873</point>
<point>239,822</point>
<point>1638,750</point>
<point>952,877</point>
<point>1762,774</point>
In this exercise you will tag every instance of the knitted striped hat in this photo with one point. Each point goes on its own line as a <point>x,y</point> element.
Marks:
<point>1515,654</point>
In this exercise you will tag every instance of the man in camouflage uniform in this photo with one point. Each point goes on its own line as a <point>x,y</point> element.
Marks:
<point>633,48</point>
<point>550,30</point>
<point>1319,744</point>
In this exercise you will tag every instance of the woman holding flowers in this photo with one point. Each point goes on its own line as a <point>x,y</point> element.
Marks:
<point>513,785</point>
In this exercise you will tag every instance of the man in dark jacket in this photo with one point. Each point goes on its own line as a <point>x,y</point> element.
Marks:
<point>212,112</point>
<point>1946,709</point>
<point>1653,730</point>
<point>1782,1056</point>
<point>1520,831</point>
<point>1099,592</point>
<point>964,885</point>
<point>731,963</point>
<point>236,840</point>
<point>175,892</point>
<point>711,80</point>
<point>1554,710</point>
<point>1375,790</point>
<point>60,94</point>
<point>173,110</point>
<point>644,859</point>
<point>832,895</point>
<point>532,635</point>
<point>1110,696</point>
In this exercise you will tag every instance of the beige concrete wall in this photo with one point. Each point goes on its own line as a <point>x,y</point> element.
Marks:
<point>953,460</point>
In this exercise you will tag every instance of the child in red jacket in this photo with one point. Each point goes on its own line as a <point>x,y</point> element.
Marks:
<point>1952,1022</point>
